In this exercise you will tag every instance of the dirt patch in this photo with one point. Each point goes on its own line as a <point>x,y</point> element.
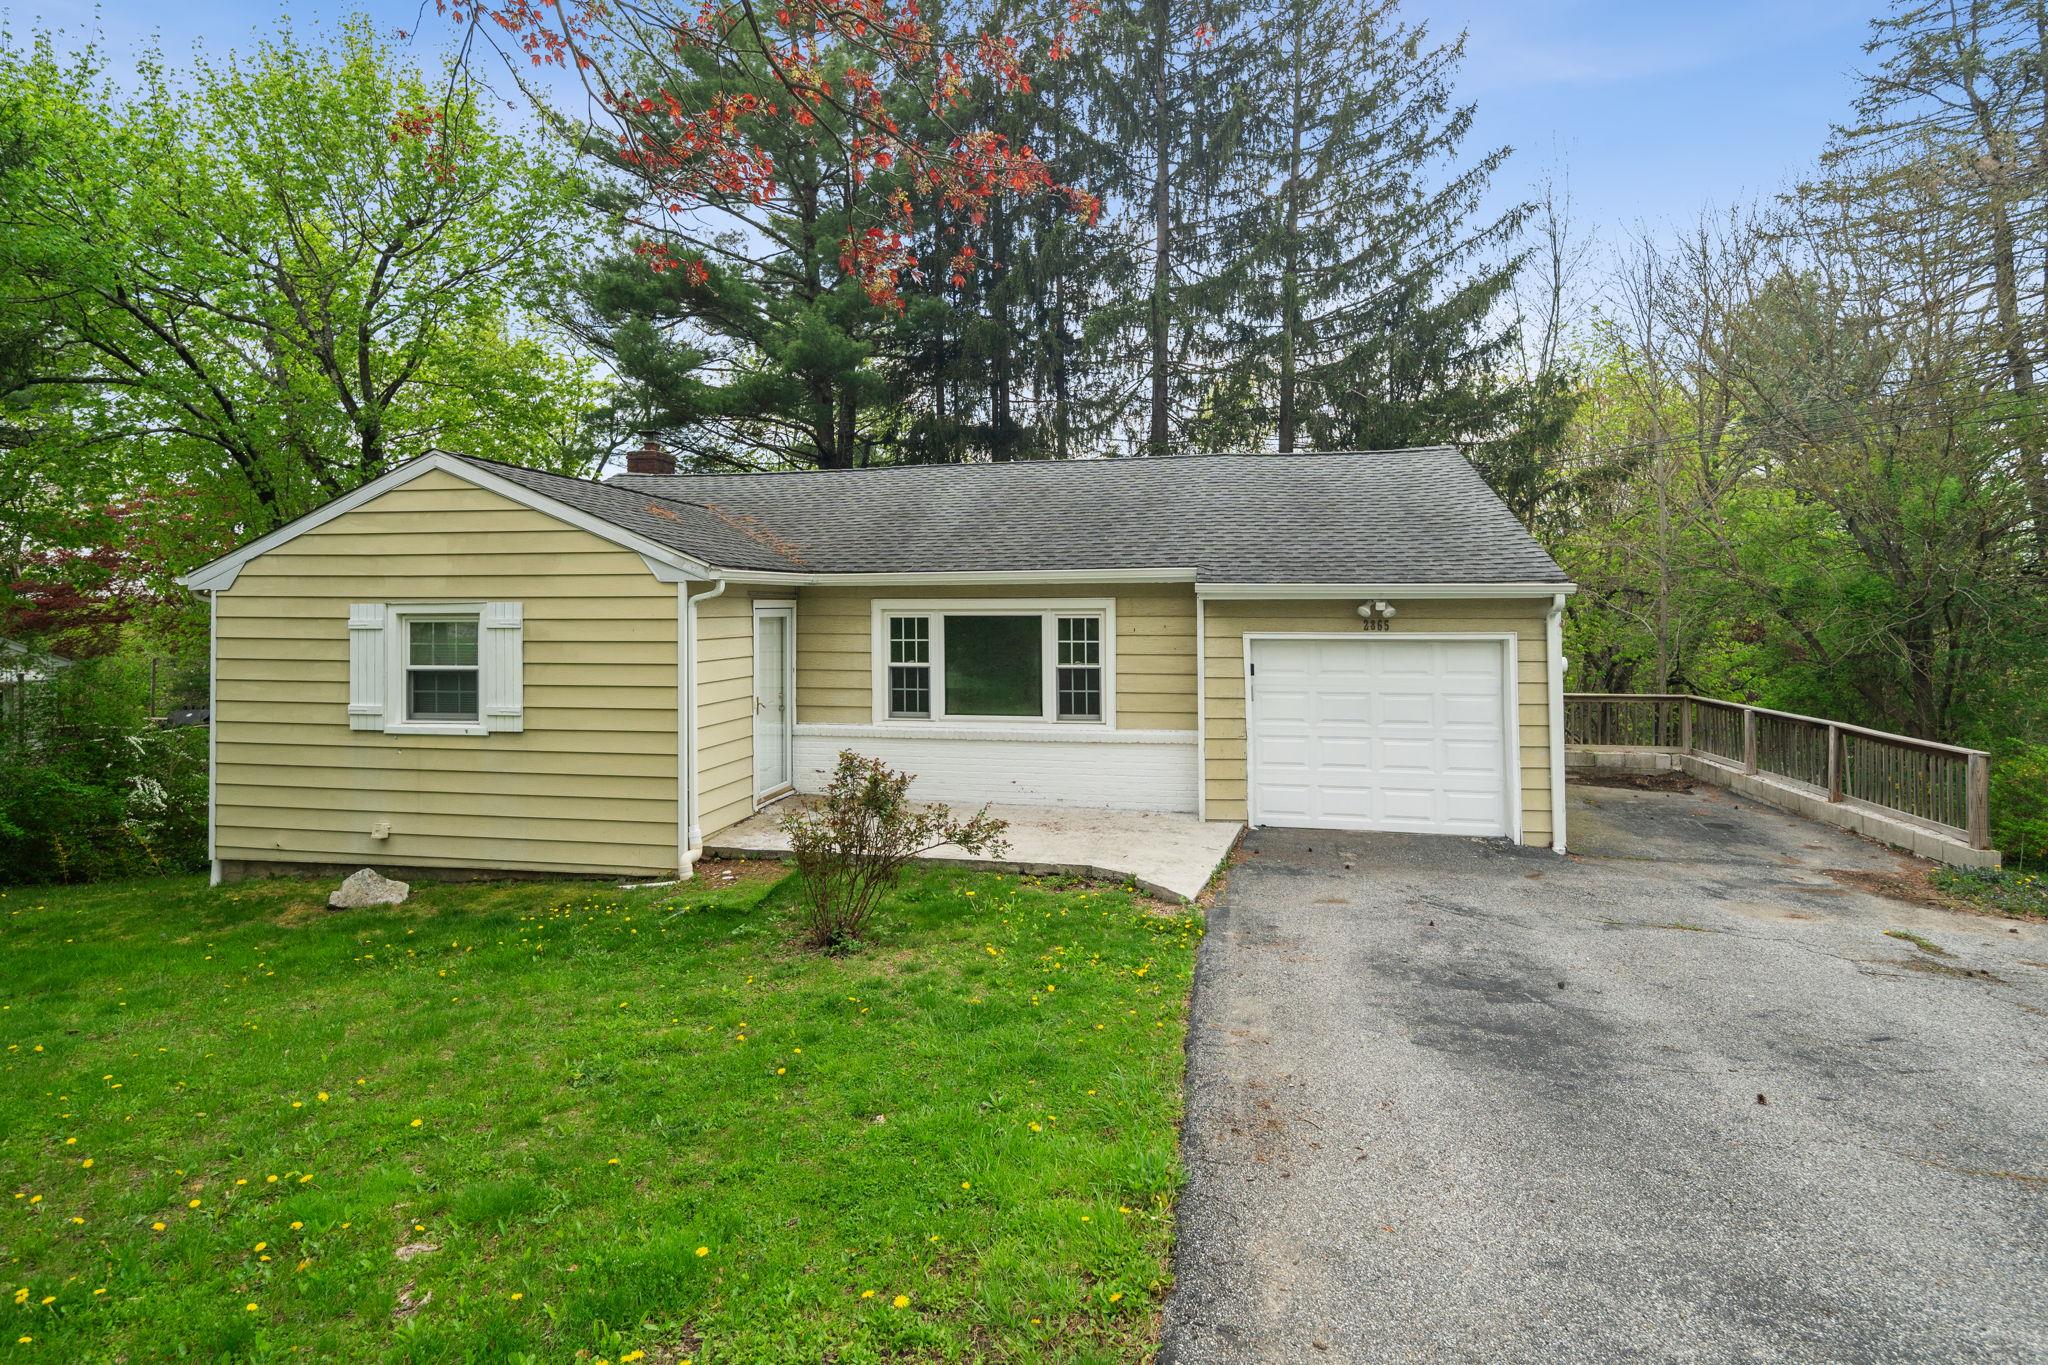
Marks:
<point>721,872</point>
<point>303,912</point>
<point>1909,884</point>
<point>1638,782</point>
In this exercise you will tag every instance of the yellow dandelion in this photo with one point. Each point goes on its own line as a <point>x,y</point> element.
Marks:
<point>156,1227</point>
<point>416,1123</point>
<point>191,1203</point>
<point>297,1226</point>
<point>1116,1298</point>
<point>703,1251</point>
<point>517,1296</point>
<point>867,1293</point>
<point>248,1307</point>
<point>322,1097</point>
<point>901,1301</point>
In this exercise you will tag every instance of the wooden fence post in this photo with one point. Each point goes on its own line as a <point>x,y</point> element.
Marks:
<point>1979,801</point>
<point>1748,739</point>
<point>1834,763</point>
<point>1685,724</point>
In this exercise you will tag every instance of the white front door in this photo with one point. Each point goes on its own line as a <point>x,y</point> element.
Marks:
<point>1381,733</point>
<point>774,628</point>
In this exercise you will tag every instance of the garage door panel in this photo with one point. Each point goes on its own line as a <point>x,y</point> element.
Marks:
<point>1290,805</point>
<point>1394,734</point>
<point>1344,754</point>
<point>1280,753</point>
<point>1473,709</point>
<point>1467,756</point>
<point>1343,707</point>
<point>1403,756</point>
<point>1407,708</point>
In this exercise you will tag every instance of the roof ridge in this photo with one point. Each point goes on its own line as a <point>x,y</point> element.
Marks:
<point>1083,462</point>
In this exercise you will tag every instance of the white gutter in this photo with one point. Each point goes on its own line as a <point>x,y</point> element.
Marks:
<point>1419,591</point>
<point>686,743</point>
<point>1553,640</point>
<point>1040,577</point>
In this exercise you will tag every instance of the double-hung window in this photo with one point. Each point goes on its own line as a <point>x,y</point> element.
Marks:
<point>910,666</point>
<point>441,669</point>
<point>994,662</point>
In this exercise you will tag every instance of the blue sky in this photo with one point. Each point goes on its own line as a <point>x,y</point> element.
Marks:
<point>1654,107</point>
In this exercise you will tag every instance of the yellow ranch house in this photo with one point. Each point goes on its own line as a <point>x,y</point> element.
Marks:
<point>466,666</point>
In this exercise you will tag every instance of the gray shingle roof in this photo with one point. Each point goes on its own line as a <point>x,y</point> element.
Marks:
<point>1400,516</point>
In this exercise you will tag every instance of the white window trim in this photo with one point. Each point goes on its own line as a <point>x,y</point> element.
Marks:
<point>399,646</point>
<point>1044,608</point>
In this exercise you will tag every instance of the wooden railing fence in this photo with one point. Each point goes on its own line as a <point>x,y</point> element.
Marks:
<point>1943,786</point>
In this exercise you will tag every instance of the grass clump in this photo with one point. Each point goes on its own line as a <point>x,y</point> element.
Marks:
<point>2002,890</point>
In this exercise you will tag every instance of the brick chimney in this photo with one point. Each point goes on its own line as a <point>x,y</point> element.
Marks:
<point>651,457</point>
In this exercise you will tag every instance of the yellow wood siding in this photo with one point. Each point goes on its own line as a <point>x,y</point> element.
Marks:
<point>589,786</point>
<point>1155,648</point>
<point>725,709</point>
<point>1226,624</point>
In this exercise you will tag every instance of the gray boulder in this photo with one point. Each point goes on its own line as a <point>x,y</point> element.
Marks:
<point>367,888</point>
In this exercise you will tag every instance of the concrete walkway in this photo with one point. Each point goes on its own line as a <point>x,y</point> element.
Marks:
<point>1693,1094</point>
<point>1170,856</point>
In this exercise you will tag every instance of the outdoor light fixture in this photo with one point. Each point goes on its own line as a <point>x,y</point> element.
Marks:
<point>1376,614</point>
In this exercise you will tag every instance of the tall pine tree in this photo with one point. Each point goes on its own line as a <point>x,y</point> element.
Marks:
<point>1365,277</point>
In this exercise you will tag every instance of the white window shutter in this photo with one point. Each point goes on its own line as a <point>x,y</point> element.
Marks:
<point>504,664</point>
<point>368,674</point>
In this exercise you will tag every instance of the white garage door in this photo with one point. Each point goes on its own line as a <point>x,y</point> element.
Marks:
<point>1387,733</point>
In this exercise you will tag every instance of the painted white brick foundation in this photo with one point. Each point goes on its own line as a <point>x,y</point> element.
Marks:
<point>1144,770</point>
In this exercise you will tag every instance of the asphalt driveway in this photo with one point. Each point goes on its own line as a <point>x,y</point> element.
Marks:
<point>1678,1097</point>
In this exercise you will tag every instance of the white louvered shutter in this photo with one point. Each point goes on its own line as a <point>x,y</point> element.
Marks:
<point>369,676</point>
<point>504,665</point>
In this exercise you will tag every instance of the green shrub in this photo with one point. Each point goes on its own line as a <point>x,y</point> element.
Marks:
<point>2019,805</point>
<point>90,790</point>
<point>851,845</point>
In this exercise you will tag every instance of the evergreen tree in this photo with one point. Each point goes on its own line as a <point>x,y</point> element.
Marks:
<point>1953,120</point>
<point>1363,278</point>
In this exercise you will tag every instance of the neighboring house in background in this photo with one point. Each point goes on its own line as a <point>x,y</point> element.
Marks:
<point>466,665</point>
<point>23,670</point>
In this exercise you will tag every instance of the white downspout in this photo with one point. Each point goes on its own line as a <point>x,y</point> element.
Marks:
<point>1201,710</point>
<point>212,735</point>
<point>1553,639</point>
<point>686,743</point>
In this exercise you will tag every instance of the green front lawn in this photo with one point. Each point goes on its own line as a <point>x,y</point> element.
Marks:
<point>558,1122</point>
